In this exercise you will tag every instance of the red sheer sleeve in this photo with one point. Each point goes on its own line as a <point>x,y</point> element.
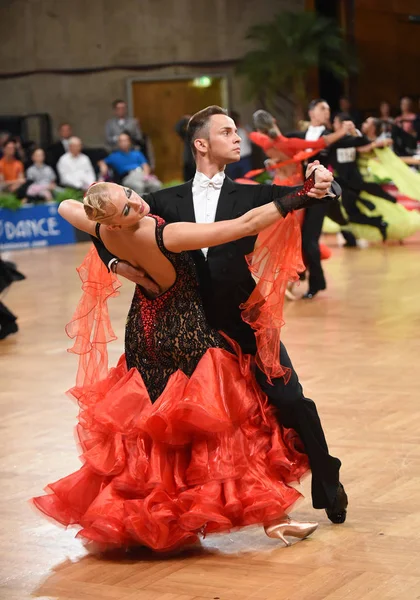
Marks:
<point>261,139</point>
<point>276,260</point>
<point>296,144</point>
<point>288,146</point>
<point>90,326</point>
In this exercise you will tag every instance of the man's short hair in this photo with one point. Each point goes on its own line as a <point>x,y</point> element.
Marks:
<point>199,123</point>
<point>315,102</point>
<point>114,104</point>
<point>343,116</point>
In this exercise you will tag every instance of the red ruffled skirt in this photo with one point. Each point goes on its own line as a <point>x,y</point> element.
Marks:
<point>207,457</point>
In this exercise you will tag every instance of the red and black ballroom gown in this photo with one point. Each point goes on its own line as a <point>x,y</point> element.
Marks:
<point>177,440</point>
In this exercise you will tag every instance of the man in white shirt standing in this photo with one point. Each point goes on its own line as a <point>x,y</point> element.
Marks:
<point>74,168</point>
<point>319,114</point>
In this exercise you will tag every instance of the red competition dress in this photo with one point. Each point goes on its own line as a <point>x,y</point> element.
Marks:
<point>178,440</point>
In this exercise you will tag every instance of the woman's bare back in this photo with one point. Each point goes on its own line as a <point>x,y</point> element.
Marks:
<point>140,249</point>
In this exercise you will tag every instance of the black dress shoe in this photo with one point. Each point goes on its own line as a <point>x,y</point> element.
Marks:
<point>350,238</point>
<point>383,228</point>
<point>337,513</point>
<point>7,329</point>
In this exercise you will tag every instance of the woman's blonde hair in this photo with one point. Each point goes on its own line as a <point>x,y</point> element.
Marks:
<point>97,203</point>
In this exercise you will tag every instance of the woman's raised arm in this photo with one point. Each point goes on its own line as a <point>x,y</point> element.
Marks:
<point>73,212</point>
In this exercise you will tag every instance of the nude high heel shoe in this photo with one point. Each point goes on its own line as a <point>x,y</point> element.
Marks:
<point>287,526</point>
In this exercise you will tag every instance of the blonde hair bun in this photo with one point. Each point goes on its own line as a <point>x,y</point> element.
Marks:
<point>97,203</point>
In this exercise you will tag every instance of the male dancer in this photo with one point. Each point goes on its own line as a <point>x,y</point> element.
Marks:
<point>226,282</point>
<point>319,115</point>
<point>344,162</point>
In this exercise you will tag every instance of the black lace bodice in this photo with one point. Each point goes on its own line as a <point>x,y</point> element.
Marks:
<point>169,332</point>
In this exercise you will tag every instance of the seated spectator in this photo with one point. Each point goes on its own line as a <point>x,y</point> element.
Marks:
<point>244,164</point>
<point>4,137</point>
<point>386,120</point>
<point>346,107</point>
<point>407,117</point>
<point>385,112</point>
<point>21,151</point>
<point>188,162</point>
<point>12,177</point>
<point>121,123</point>
<point>56,150</point>
<point>130,167</point>
<point>41,178</point>
<point>74,168</point>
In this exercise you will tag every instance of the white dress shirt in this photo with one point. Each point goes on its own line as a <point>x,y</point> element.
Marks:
<point>76,171</point>
<point>206,194</point>
<point>314,133</point>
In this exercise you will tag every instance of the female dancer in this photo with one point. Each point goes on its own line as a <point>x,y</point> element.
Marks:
<point>377,164</point>
<point>177,440</point>
<point>278,147</point>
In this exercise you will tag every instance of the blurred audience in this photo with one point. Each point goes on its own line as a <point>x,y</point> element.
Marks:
<point>188,162</point>
<point>56,150</point>
<point>385,112</point>
<point>74,168</point>
<point>130,167</point>
<point>4,137</point>
<point>12,175</point>
<point>386,119</point>
<point>41,178</point>
<point>346,107</point>
<point>121,123</point>
<point>407,117</point>
<point>244,164</point>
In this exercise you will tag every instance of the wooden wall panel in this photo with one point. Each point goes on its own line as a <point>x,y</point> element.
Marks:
<point>158,105</point>
<point>389,51</point>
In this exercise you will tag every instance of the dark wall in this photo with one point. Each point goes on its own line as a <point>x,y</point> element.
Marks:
<point>388,45</point>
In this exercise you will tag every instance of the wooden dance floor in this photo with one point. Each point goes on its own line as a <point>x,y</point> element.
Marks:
<point>356,349</point>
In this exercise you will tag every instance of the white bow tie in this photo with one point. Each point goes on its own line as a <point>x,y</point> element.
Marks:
<point>215,182</point>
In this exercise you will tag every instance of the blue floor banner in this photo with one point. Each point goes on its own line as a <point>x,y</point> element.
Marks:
<point>34,226</point>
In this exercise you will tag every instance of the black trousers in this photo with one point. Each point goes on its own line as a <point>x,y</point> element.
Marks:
<point>311,232</point>
<point>300,413</point>
<point>292,409</point>
<point>376,190</point>
<point>350,198</point>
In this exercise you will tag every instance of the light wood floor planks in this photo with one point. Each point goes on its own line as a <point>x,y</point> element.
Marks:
<point>356,349</point>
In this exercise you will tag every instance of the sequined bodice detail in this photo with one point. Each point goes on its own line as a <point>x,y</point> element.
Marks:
<point>169,332</point>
